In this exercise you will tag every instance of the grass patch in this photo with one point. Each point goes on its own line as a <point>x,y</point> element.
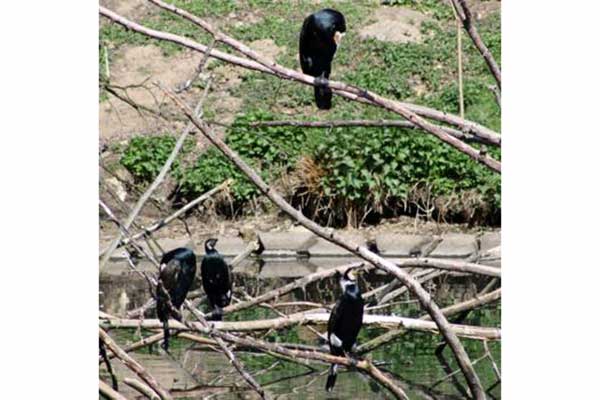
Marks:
<point>355,171</point>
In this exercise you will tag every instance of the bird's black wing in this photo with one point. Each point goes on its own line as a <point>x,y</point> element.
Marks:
<point>335,321</point>
<point>169,274</point>
<point>216,279</point>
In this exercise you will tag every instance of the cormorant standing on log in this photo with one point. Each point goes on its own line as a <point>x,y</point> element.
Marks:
<point>320,36</point>
<point>177,272</point>
<point>344,323</point>
<point>216,279</point>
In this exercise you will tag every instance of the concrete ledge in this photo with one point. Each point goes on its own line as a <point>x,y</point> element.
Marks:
<point>284,244</point>
<point>456,245</point>
<point>324,248</point>
<point>228,246</point>
<point>489,241</point>
<point>400,245</point>
<point>286,269</point>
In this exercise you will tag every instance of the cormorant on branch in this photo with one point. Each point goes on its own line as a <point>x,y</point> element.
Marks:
<point>320,36</point>
<point>216,279</point>
<point>344,323</point>
<point>177,273</point>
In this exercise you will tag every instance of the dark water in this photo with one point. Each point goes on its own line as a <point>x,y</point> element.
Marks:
<point>194,372</point>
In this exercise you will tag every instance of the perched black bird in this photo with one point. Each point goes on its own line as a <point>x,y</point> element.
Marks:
<point>177,272</point>
<point>345,322</point>
<point>319,38</point>
<point>216,279</point>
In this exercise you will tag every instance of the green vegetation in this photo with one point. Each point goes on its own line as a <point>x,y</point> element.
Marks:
<point>360,172</point>
<point>145,156</point>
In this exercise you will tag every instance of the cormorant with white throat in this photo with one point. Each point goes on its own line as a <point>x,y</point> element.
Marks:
<point>344,323</point>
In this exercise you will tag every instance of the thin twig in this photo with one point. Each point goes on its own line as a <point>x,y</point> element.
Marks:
<point>157,181</point>
<point>410,112</point>
<point>361,251</point>
<point>467,21</point>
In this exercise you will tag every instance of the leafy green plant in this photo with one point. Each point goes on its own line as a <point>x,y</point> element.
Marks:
<point>145,155</point>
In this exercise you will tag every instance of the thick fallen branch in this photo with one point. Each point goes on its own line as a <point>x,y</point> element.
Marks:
<point>451,265</point>
<point>134,366</point>
<point>313,318</point>
<point>409,112</point>
<point>109,392</point>
<point>143,389</point>
<point>302,357</point>
<point>470,304</point>
<point>467,20</point>
<point>361,251</point>
<point>495,141</point>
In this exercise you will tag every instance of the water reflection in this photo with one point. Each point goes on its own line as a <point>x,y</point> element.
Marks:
<point>415,360</point>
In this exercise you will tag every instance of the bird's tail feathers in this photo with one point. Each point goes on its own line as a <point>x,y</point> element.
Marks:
<point>331,377</point>
<point>166,335</point>
<point>323,96</point>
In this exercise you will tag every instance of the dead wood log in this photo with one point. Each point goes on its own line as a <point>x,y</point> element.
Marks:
<point>312,317</point>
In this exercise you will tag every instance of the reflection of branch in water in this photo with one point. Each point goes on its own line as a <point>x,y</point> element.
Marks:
<point>424,390</point>
<point>439,353</point>
<point>489,390</point>
<point>289,378</point>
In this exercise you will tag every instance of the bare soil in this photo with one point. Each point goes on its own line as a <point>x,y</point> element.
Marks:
<point>395,24</point>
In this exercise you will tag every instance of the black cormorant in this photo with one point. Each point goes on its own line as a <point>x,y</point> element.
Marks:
<point>216,279</point>
<point>345,322</point>
<point>319,38</point>
<point>177,272</point>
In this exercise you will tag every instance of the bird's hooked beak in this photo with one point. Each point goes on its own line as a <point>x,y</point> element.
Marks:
<point>351,275</point>
<point>210,244</point>
<point>337,37</point>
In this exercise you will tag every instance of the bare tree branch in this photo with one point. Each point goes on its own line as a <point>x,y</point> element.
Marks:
<point>109,392</point>
<point>467,137</point>
<point>409,112</point>
<point>167,220</point>
<point>360,251</point>
<point>313,317</point>
<point>143,389</point>
<point>467,20</point>
<point>134,366</point>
